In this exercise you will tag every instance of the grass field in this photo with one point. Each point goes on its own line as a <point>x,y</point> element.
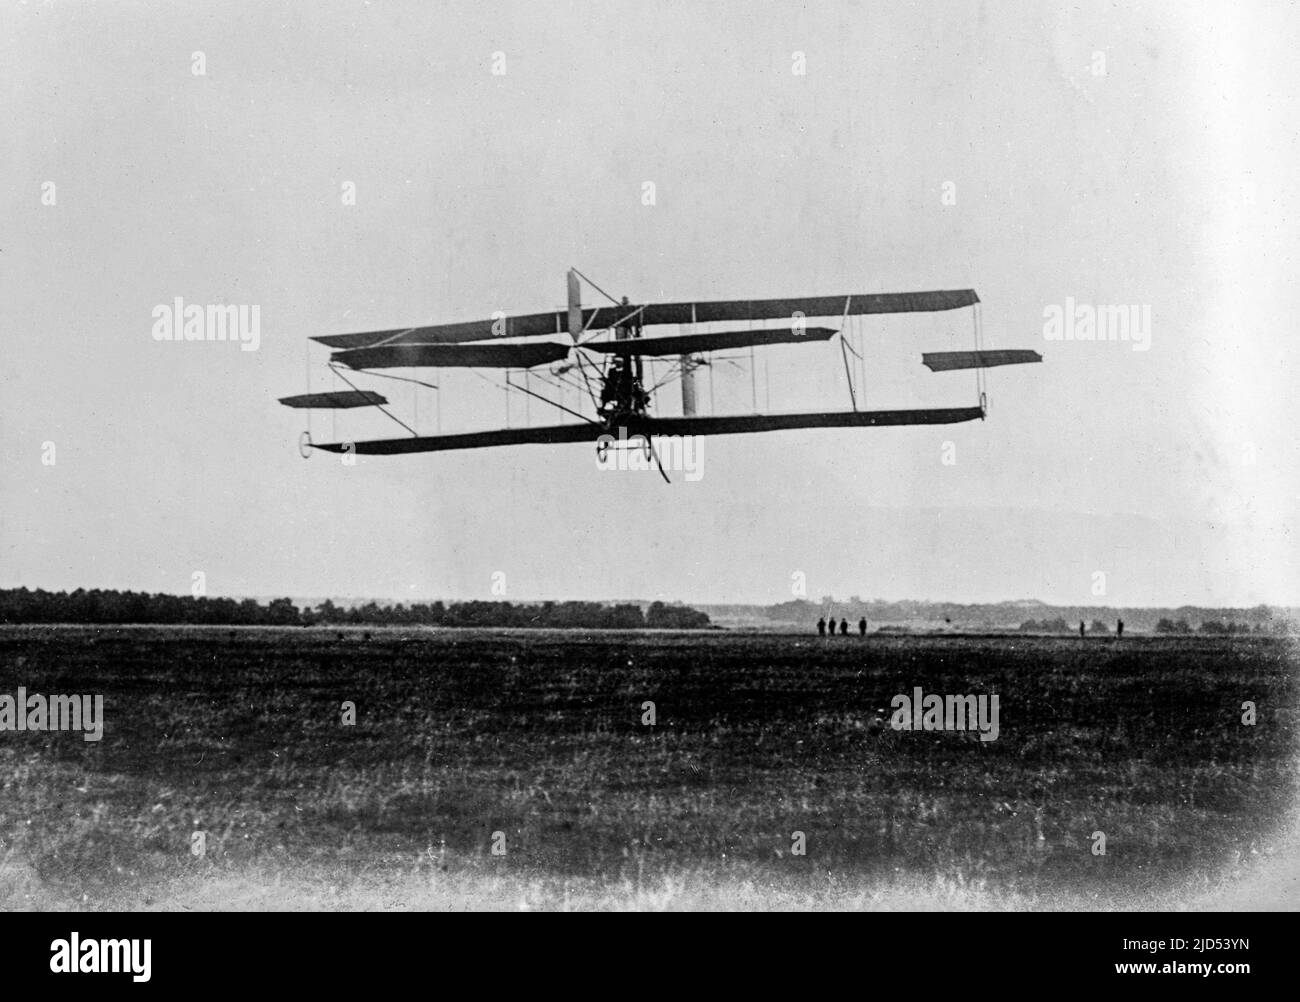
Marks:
<point>539,737</point>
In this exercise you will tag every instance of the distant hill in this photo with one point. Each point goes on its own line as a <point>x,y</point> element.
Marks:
<point>1028,614</point>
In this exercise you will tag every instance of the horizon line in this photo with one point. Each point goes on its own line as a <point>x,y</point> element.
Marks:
<point>631,601</point>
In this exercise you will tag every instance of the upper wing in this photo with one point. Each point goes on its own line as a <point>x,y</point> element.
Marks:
<point>489,356</point>
<point>736,425</point>
<point>685,344</point>
<point>556,322</point>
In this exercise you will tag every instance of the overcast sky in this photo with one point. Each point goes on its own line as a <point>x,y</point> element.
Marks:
<point>1166,180</point>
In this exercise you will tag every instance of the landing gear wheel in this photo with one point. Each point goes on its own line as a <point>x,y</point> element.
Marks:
<point>304,445</point>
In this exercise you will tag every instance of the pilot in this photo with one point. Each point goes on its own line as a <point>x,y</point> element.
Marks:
<point>617,385</point>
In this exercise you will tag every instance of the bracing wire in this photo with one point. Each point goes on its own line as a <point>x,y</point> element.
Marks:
<point>389,375</point>
<point>596,287</point>
<point>386,411</point>
<point>514,386</point>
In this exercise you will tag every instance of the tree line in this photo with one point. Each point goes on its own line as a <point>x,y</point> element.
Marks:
<point>1165,625</point>
<point>1216,626</point>
<point>20,605</point>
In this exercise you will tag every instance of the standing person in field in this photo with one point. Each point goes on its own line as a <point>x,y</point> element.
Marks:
<point>862,626</point>
<point>1119,628</point>
<point>821,627</point>
<point>1081,627</point>
<point>844,627</point>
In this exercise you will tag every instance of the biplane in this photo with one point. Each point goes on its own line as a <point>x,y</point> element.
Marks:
<point>604,352</point>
